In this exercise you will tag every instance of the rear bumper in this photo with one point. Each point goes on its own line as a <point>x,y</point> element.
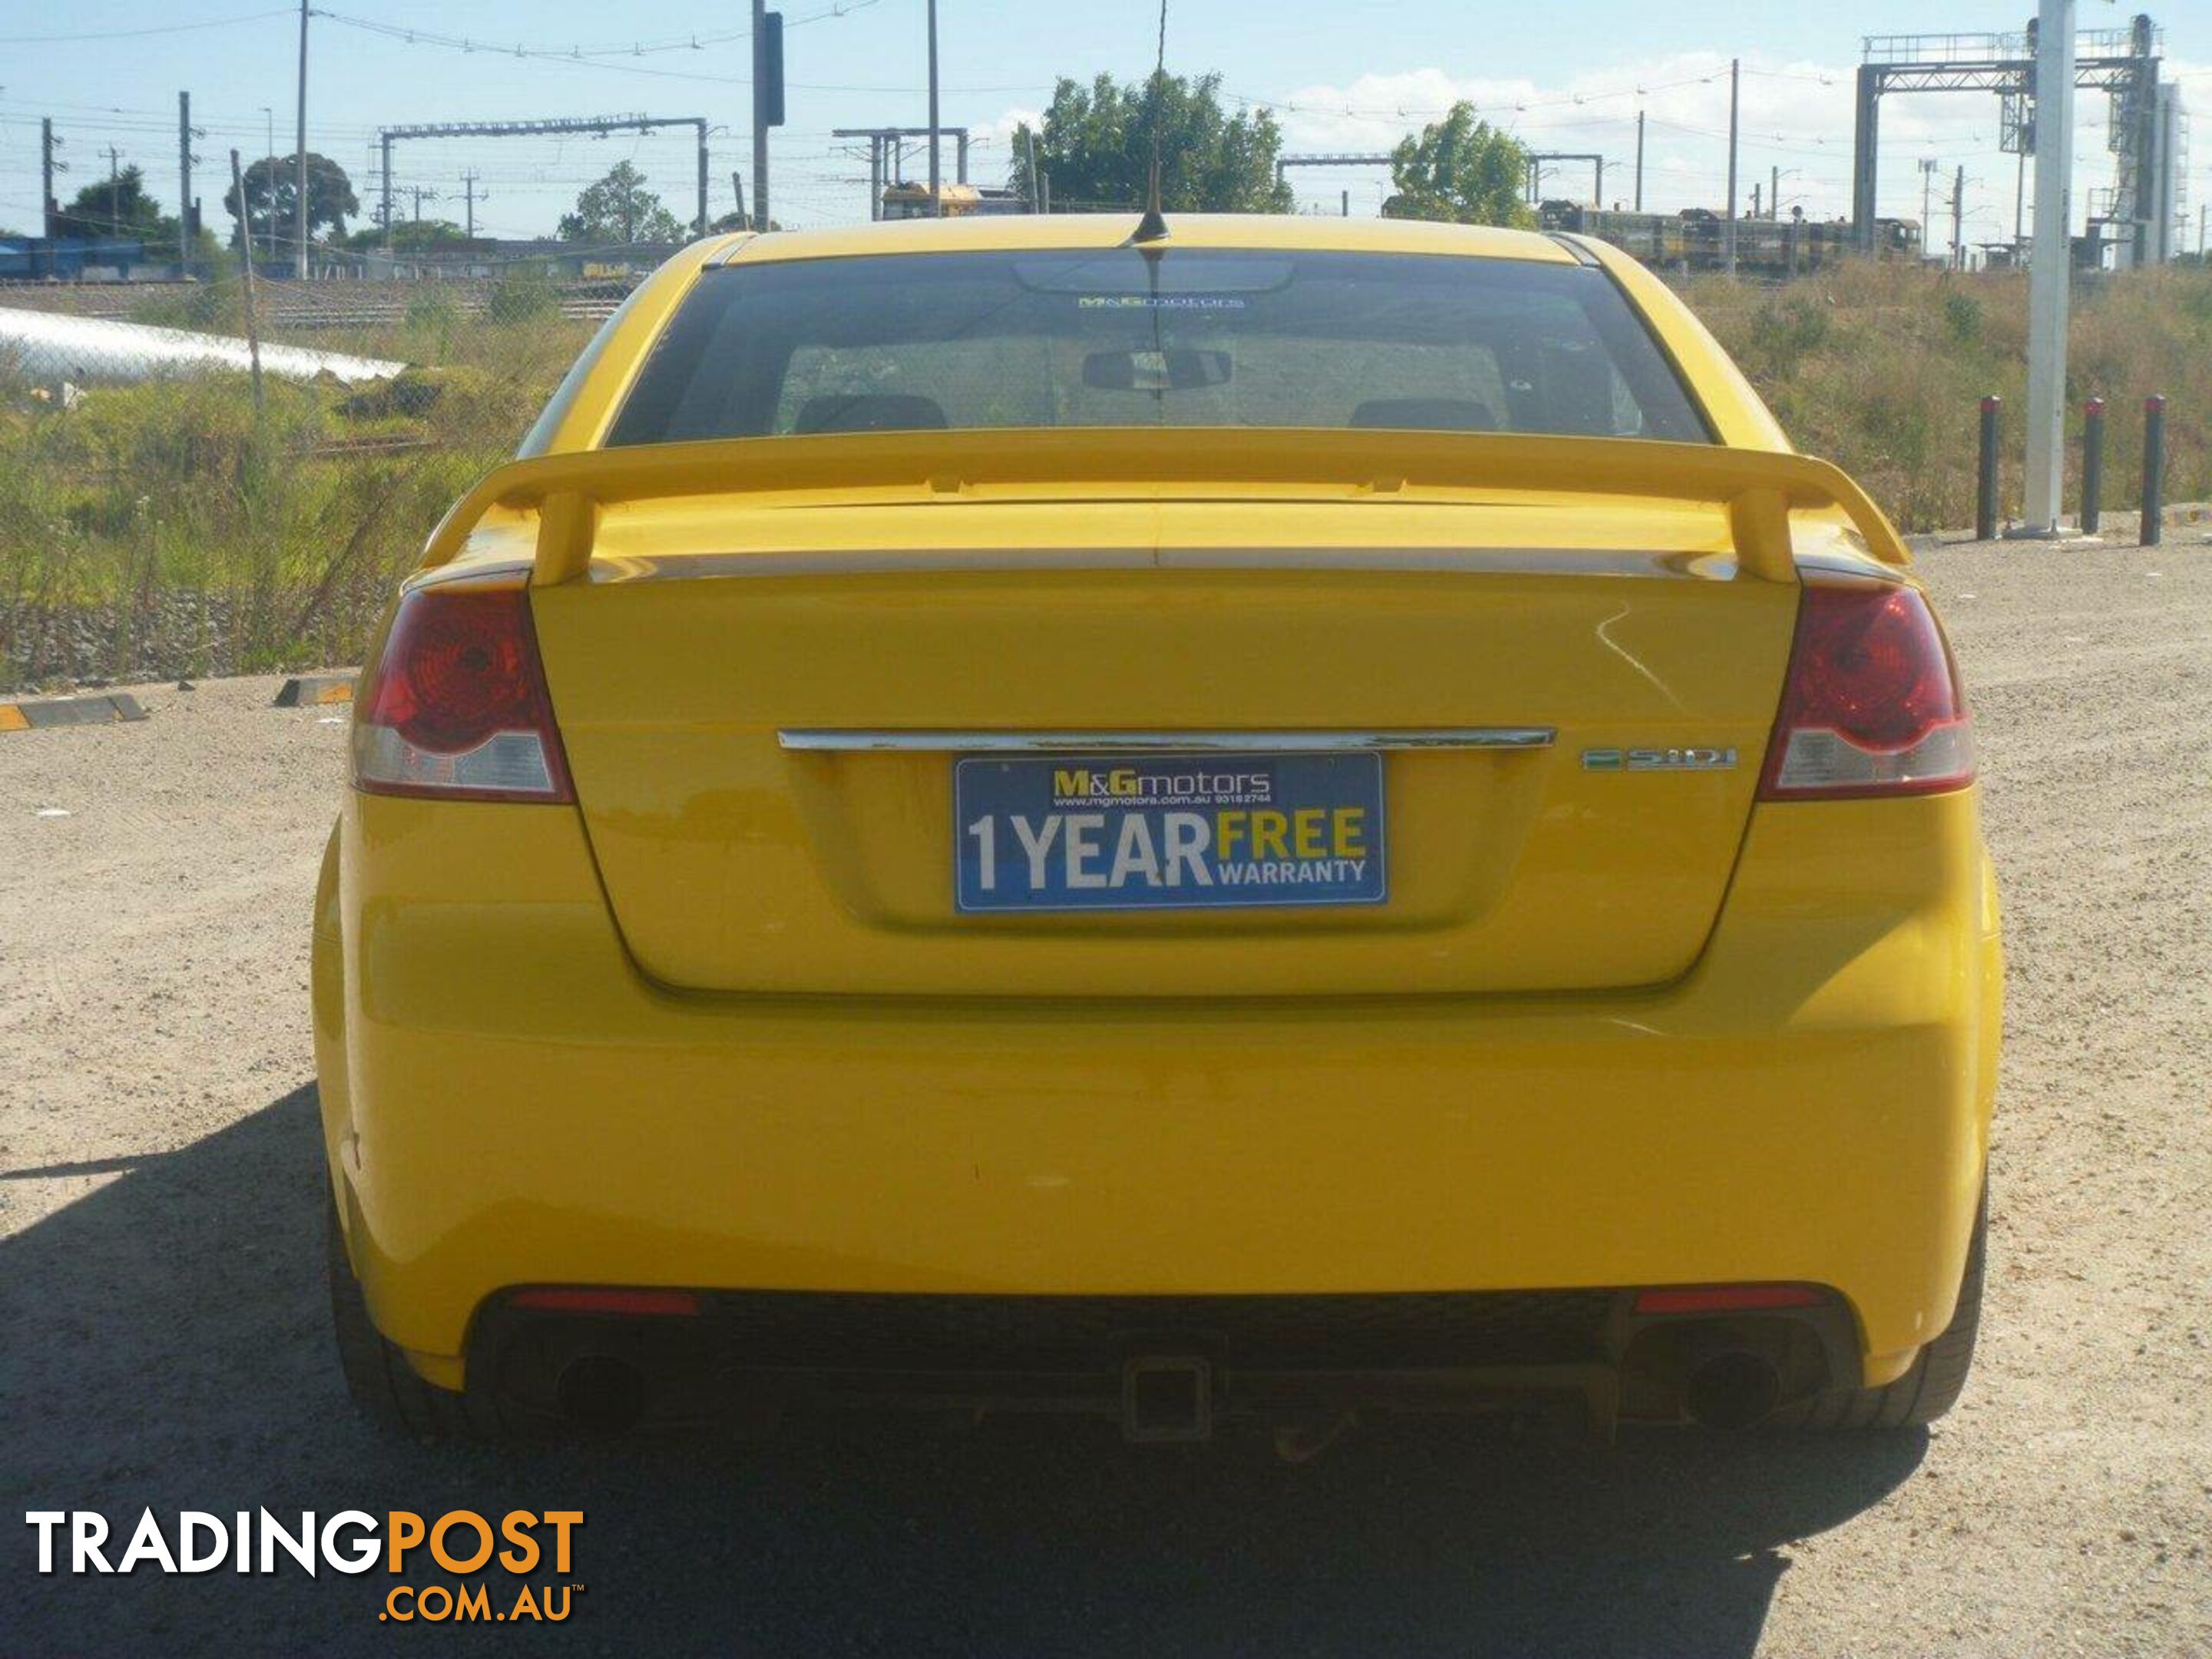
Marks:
<point>508,1102</point>
<point>1166,1367</point>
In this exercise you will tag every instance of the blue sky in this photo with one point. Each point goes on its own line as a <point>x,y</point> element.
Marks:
<point>1352,75</point>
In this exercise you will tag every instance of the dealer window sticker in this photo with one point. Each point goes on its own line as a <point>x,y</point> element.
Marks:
<point>1160,302</point>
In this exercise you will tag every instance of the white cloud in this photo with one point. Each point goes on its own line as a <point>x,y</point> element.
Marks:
<point>995,138</point>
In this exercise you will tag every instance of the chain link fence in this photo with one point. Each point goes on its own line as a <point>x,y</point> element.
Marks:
<point>342,303</point>
<point>156,518</point>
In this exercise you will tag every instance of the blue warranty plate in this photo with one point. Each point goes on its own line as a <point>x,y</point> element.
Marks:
<point>1167,832</point>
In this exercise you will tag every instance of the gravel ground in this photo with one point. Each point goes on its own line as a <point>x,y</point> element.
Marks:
<point>180,632</point>
<point>162,1338</point>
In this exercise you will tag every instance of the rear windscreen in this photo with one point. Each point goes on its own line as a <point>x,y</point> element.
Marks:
<point>1192,336</point>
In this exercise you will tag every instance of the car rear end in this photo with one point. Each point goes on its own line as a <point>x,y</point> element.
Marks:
<point>998,820</point>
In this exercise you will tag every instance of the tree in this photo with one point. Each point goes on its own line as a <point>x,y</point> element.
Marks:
<point>410,236</point>
<point>730,222</point>
<point>1095,148</point>
<point>272,197</point>
<point>1460,169</point>
<point>620,208</point>
<point>116,207</point>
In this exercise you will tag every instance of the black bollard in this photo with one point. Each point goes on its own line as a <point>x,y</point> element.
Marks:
<point>1985,493</point>
<point>2153,488</point>
<point>2092,465</point>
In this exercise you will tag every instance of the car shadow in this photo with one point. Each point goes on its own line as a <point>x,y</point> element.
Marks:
<point>163,1345</point>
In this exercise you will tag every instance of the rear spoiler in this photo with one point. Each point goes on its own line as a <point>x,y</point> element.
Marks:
<point>1759,488</point>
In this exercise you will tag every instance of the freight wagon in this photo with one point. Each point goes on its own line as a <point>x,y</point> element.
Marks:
<point>1697,237</point>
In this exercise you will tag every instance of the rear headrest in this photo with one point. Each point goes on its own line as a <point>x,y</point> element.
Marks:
<point>872,411</point>
<point>1426,415</point>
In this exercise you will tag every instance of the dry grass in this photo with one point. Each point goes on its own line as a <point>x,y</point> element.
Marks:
<point>158,529</point>
<point>1882,369</point>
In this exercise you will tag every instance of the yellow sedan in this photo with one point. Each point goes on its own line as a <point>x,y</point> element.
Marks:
<point>1291,817</point>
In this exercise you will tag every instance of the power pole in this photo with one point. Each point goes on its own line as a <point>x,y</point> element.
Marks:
<point>1959,220</point>
<point>2050,268</point>
<point>737,185</point>
<point>1774,193</point>
<point>1928,165</point>
<point>245,271</point>
<point>936,180</point>
<point>702,228</point>
<point>384,179</point>
<point>48,208</point>
<point>185,183</point>
<point>114,186</point>
<point>1757,208</point>
<point>1639,161</point>
<point>469,203</point>
<point>1735,90</point>
<point>1037,185</point>
<point>760,115</point>
<point>269,122</point>
<point>299,170</point>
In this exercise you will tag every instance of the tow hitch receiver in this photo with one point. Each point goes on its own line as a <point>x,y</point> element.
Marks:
<point>1167,1397</point>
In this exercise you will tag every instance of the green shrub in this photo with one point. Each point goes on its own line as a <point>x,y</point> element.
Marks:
<point>525,294</point>
<point>1962,317</point>
<point>215,306</point>
<point>1784,332</point>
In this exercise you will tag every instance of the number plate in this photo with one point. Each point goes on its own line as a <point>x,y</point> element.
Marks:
<point>1167,832</point>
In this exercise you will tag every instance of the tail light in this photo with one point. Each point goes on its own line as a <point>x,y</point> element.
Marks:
<point>604,1299</point>
<point>1873,706</point>
<point>455,705</point>
<point>1727,1299</point>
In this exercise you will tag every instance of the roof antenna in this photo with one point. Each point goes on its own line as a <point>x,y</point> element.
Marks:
<point>1153,227</point>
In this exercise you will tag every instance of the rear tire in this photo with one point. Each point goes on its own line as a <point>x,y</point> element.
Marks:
<point>384,1386</point>
<point>1924,1393</point>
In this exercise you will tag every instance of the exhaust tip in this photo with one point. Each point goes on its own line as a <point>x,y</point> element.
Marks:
<point>601,1394</point>
<point>1731,1390</point>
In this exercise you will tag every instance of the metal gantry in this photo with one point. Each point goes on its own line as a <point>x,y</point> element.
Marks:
<point>2122,62</point>
<point>1537,158</point>
<point>1334,159</point>
<point>883,155</point>
<point>557,126</point>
